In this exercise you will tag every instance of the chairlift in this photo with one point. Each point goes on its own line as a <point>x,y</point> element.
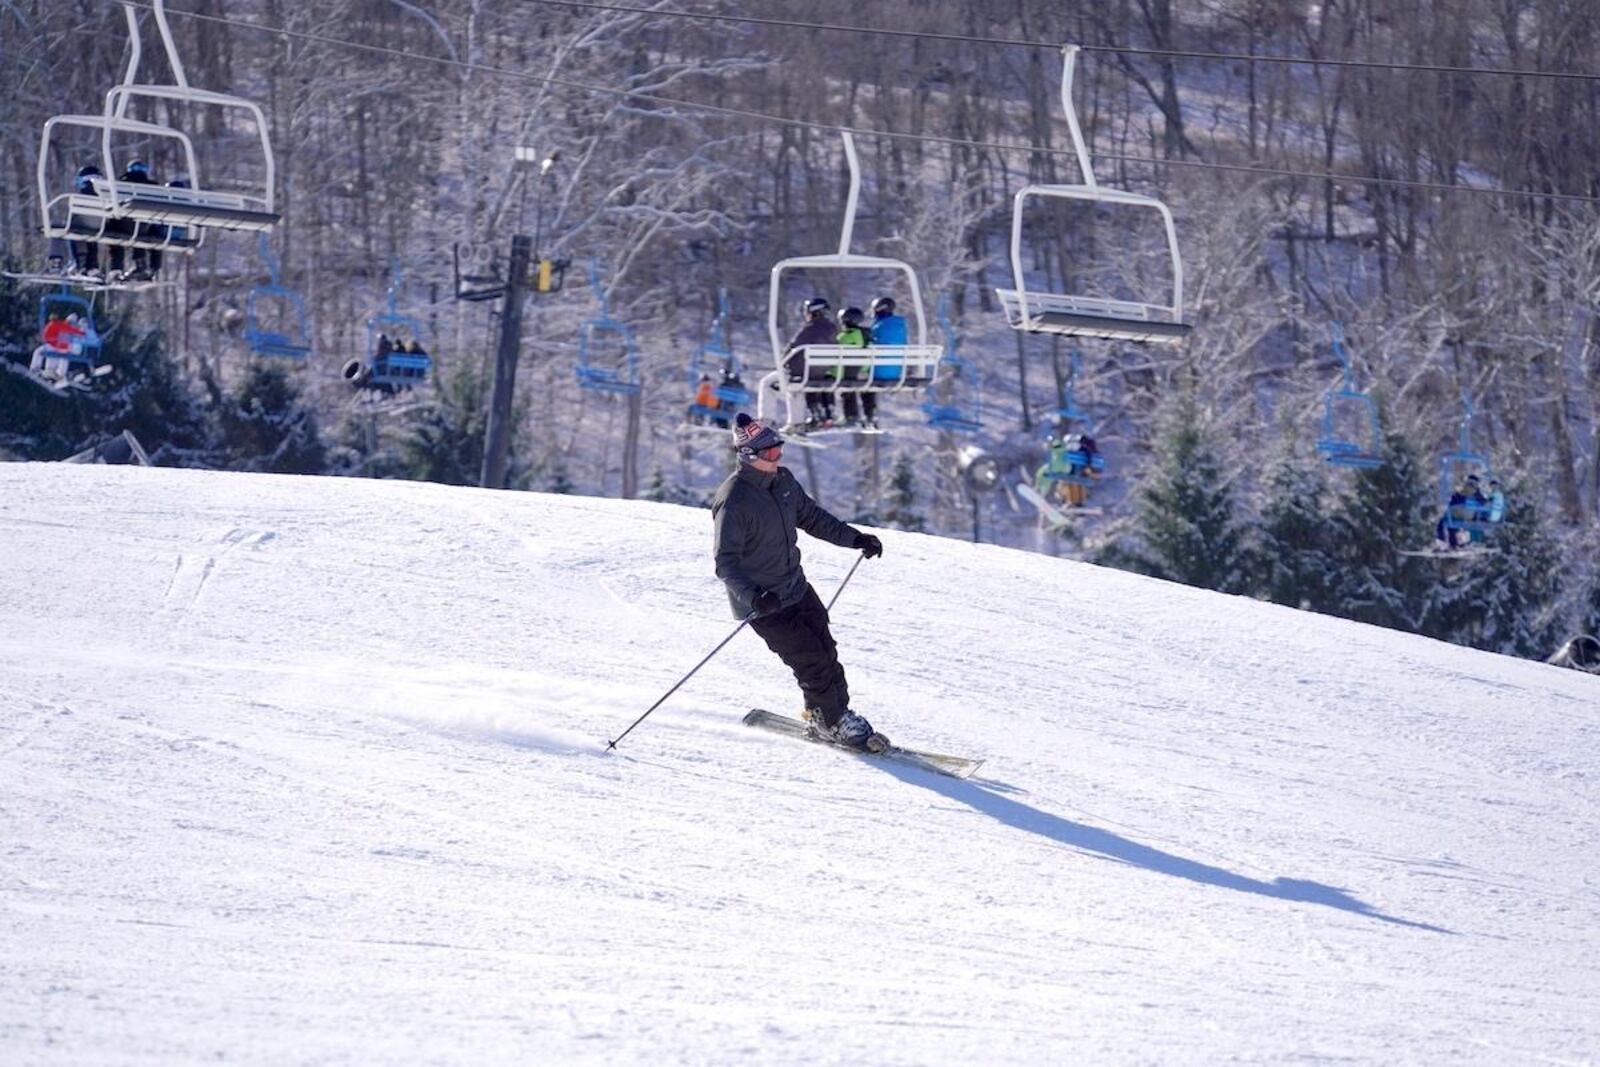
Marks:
<point>1339,449</point>
<point>716,363</point>
<point>619,376</point>
<point>81,357</point>
<point>197,204</point>
<point>1476,520</point>
<point>293,341</point>
<point>840,369</point>
<point>955,418</point>
<point>392,366</point>
<point>1078,315</point>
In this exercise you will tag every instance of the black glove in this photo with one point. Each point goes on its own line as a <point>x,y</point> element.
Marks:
<point>868,546</point>
<point>766,603</point>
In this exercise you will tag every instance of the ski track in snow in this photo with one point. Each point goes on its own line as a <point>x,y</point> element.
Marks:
<point>314,771</point>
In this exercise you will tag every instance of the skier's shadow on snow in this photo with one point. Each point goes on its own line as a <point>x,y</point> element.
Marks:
<point>1021,816</point>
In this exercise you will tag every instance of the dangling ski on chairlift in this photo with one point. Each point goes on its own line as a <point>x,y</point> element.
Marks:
<point>1083,315</point>
<point>827,368</point>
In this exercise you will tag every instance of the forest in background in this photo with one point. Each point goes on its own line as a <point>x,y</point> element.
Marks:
<point>1456,246</point>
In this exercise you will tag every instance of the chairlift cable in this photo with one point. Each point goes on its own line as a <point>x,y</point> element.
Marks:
<point>924,138</point>
<point>1127,50</point>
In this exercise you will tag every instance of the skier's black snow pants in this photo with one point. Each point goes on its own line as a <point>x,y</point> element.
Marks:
<point>800,636</point>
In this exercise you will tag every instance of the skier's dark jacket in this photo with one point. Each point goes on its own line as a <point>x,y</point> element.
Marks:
<point>818,331</point>
<point>754,517</point>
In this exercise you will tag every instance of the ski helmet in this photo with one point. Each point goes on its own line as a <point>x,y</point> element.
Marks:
<point>882,306</point>
<point>89,170</point>
<point>815,306</point>
<point>850,318</point>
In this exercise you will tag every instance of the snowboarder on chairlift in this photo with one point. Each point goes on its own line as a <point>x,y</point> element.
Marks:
<point>854,333</point>
<point>755,515</point>
<point>818,330</point>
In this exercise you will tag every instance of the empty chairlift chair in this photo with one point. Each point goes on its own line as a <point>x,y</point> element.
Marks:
<point>275,317</point>
<point>1342,406</point>
<point>1082,315</point>
<point>608,357</point>
<point>963,410</point>
<point>841,369</point>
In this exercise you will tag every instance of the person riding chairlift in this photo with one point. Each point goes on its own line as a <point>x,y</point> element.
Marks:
<point>1467,504</point>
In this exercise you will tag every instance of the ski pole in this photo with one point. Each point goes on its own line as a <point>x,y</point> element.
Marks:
<point>742,623</point>
<point>846,581</point>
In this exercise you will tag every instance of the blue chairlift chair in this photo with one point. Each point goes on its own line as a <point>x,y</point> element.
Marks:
<point>715,359</point>
<point>618,376</point>
<point>955,417</point>
<point>84,355</point>
<point>1454,467</point>
<point>1342,450</point>
<point>292,337</point>
<point>390,368</point>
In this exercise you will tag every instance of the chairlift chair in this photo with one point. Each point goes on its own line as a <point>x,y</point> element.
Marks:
<point>954,417</point>
<point>716,360</point>
<point>84,357</point>
<point>292,342</point>
<point>1342,450</point>
<point>840,369</point>
<point>1077,315</point>
<point>395,369</point>
<point>197,205</point>
<point>621,376</point>
<point>1454,467</point>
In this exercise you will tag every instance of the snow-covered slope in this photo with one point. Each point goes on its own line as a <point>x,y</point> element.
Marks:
<point>313,771</point>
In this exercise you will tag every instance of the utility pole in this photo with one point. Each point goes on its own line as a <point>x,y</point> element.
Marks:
<point>497,437</point>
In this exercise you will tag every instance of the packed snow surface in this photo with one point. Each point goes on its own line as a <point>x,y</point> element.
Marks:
<point>313,771</point>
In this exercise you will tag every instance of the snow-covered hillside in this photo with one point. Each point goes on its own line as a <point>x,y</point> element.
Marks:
<point>313,771</point>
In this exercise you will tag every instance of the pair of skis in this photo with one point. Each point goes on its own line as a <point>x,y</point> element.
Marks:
<point>951,766</point>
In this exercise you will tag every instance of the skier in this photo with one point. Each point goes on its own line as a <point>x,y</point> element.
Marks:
<point>816,331</point>
<point>754,515</point>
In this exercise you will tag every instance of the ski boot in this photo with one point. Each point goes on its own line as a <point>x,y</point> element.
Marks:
<point>851,731</point>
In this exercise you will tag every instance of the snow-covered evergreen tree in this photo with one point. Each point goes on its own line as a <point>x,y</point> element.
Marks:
<point>1187,530</point>
<point>1382,515</point>
<point>264,424</point>
<point>902,512</point>
<point>444,441</point>
<point>1294,551</point>
<point>1514,594</point>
